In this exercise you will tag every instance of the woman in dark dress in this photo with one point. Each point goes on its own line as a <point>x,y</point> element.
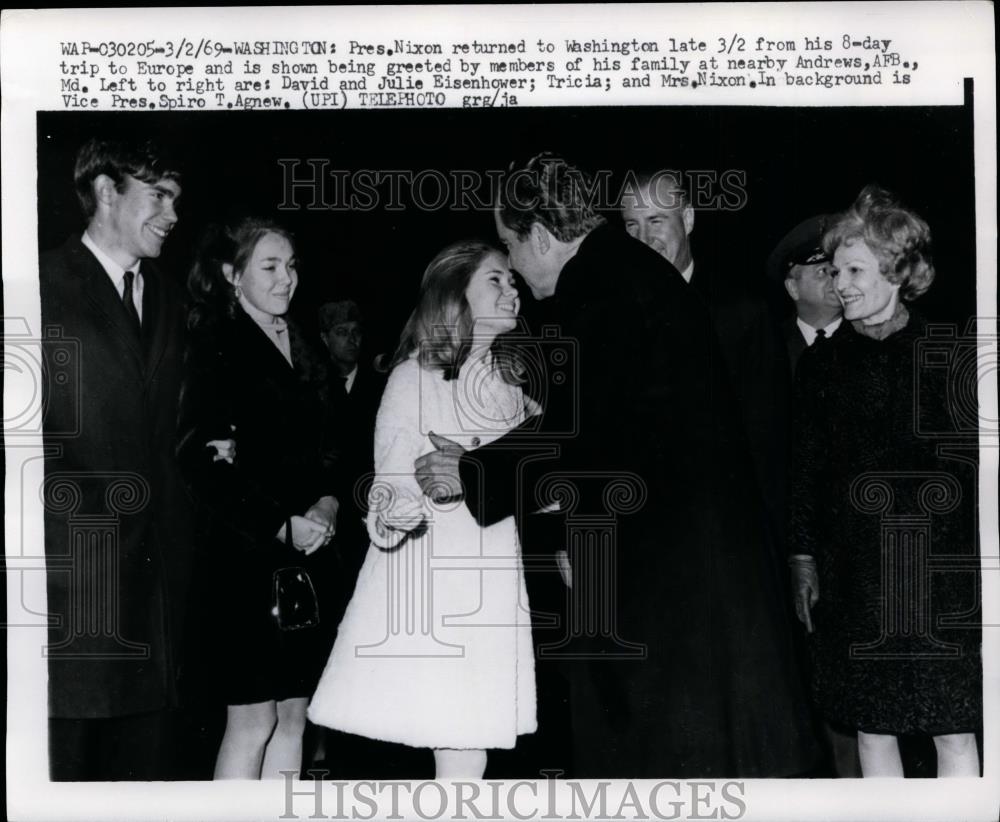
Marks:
<point>883,525</point>
<point>266,503</point>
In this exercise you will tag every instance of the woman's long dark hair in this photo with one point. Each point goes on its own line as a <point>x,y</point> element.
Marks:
<point>212,295</point>
<point>440,327</point>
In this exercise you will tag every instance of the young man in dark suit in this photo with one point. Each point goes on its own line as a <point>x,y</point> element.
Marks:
<point>680,661</point>
<point>117,534</point>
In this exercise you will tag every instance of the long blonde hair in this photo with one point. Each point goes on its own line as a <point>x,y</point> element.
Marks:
<point>440,327</point>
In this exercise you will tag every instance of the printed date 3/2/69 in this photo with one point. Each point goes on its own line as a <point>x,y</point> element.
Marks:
<point>168,49</point>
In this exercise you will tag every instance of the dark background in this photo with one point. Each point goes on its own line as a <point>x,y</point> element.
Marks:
<point>798,162</point>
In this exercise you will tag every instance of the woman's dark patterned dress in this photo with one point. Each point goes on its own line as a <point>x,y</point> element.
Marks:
<point>884,495</point>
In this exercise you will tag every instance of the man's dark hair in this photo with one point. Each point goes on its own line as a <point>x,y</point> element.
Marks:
<point>550,191</point>
<point>143,160</point>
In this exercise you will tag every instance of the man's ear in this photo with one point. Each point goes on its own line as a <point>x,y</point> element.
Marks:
<point>542,238</point>
<point>792,287</point>
<point>688,216</point>
<point>104,189</point>
<point>229,274</point>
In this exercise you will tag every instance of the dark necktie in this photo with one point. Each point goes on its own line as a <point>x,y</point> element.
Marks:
<point>820,336</point>
<point>128,301</point>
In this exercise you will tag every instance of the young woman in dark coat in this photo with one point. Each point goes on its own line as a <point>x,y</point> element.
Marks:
<point>885,561</point>
<point>254,389</point>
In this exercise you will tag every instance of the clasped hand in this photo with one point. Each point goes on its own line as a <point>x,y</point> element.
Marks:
<point>312,530</point>
<point>315,528</point>
<point>388,528</point>
<point>225,450</point>
<point>437,471</point>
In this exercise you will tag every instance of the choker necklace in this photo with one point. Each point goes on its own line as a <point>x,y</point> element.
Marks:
<point>268,322</point>
<point>879,331</point>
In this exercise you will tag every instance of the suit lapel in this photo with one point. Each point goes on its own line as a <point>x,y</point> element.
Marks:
<point>155,322</point>
<point>99,292</point>
<point>700,281</point>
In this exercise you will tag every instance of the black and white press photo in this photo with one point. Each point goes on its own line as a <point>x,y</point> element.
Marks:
<point>532,416</point>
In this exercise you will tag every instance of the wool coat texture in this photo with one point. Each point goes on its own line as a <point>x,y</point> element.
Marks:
<point>884,497</point>
<point>435,647</point>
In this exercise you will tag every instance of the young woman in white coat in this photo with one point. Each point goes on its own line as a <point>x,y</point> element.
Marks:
<point>435,646</point>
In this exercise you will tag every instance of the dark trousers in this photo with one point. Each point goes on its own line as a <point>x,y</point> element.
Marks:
<point>136,748</point>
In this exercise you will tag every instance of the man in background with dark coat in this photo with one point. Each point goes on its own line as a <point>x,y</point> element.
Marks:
<point>805,270</point>
<point>357,387</point>
<point>657,209</point>
<point>356,391</point>
<point>801,265</point>
<point>678,648</point>
<point>117,522</point>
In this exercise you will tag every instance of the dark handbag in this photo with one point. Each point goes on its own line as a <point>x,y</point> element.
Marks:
<point>295,603</point>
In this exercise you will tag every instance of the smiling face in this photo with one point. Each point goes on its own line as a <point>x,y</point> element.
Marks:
<point>657,216</point>
<point>138,218</point>
<point>863,290</point>
<point>812,286</point>
<point>269,279</point>
<point>492,297</point>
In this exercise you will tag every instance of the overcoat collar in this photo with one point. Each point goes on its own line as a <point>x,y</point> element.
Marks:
<point>260,349</point>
